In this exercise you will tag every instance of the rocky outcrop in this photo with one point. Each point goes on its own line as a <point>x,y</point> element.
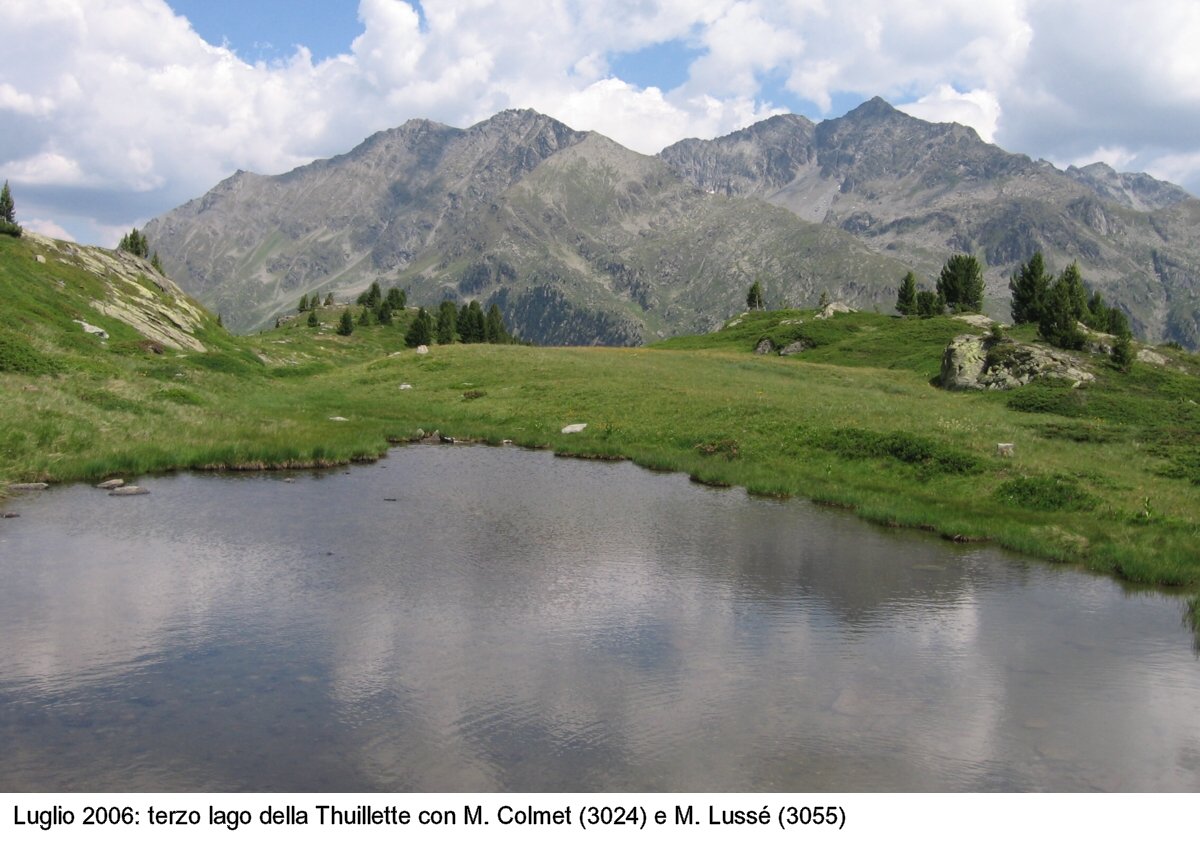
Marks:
<point>835,307</point>
<point>971,361</point>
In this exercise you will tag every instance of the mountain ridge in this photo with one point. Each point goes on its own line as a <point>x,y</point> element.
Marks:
<point>556,225</point>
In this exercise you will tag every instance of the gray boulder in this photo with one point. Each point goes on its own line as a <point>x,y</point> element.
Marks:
<point>765,346</point>
<point>794,348</point>
<point>128,491</point>
<point>976,362</point>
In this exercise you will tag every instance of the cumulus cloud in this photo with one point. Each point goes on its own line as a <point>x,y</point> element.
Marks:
<point>978,109</point>
<point>131,112</point>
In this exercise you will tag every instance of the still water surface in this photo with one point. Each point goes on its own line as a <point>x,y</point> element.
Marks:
<point>512,621</point>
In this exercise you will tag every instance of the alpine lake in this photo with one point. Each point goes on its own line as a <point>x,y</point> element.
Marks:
<point>457,618</point>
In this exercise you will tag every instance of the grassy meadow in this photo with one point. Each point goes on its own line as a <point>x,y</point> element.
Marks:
<point>1106,476</point>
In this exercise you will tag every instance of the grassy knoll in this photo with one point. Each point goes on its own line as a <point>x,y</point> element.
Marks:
<point>1106,476</point>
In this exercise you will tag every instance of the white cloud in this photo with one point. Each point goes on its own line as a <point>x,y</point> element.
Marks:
<point>124,98</point>
<point>47,168</point>
<point>49,228</point>
<point>978,109</point>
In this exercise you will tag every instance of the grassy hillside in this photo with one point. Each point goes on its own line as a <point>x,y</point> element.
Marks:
<point>1107,475</point>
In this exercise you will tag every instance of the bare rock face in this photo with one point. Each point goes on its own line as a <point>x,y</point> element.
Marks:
<point>975,362</point>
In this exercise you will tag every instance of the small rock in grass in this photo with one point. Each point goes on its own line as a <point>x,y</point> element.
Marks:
<point>406,386</point>
<point>338,418</point>
<point>574,428</point>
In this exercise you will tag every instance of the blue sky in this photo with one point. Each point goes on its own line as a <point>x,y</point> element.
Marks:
<point>144,104</point>
<point>271,29</point>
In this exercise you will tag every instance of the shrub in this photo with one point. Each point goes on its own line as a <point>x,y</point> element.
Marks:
<point>1057,493</point>
<point>855,443</point>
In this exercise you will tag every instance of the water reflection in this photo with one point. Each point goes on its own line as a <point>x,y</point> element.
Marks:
<point>511,621</point>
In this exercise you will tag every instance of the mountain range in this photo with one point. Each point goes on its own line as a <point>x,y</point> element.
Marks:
<point>582,241</point>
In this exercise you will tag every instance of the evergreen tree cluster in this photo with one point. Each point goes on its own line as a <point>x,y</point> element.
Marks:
<point>378,309</point>
<point>310,305</point>
<point>135,243</point>
<point>8,214</point>
<point>1058,305</point>
<point>959,288</point>
<point>468,324</point>
<point>913,302</point>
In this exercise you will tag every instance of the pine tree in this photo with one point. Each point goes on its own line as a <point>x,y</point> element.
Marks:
<point>906,298</point>
<point>8,211</point>
<point>447,322</point>
<point>313,321</point>
<point>370,297</point>
<point>960,283</point>
<point>367,317</point>
<point>1122,353</point>
<point>385,314</point>
<point>420,332</point>
<point>930,304</point>
<point>1029,285</point>
<point>397,299</point>
<point>754,298</point>
<point>472,325</point>
<point>494,325</point>
<point>135,243</point>
<point>8,214</point>
<point>346,325</point>
<point>1058,324</point>
<point>1072,281</point>
<point>303,304</point>
<point>329,299</point>
<point>156,263</point>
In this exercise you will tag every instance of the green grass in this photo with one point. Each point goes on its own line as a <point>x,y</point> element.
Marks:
<point>1103,476</point>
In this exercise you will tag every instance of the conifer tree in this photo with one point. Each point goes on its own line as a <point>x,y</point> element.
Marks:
<point>329,299</point>
<point>385,314</point>
<point>1058,324</point>
<point>960,283</point>
<point>420,332</point>
<point>135,243</point>
<point>303,306</point>
<point>397,299</point>
<point>367,317</point>
<point>906,298</point>
<point>1122,353</point>
<point>494,326</point>
<point>754,298</point>
<point>8,213</point>
<point>313,321</point>
<point>447,322</point>
<point>346,325</point>
<point>1029,285</point>
<point>930,304</point>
